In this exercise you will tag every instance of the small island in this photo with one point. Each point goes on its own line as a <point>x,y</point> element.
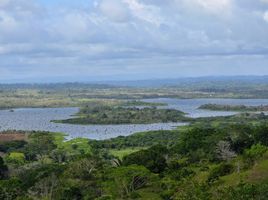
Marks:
<point>142,103</point>
<point>238,108</point>
<point>125,115</point>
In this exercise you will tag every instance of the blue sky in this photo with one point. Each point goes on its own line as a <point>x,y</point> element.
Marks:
<point>88,40</point>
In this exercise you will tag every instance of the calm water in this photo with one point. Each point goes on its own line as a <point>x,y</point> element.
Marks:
<point>39,118</point>
<point>190,106</point>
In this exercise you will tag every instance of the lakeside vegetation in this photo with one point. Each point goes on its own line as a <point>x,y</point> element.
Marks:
<point>239,108</point>
<point>213,158</point>
<point>124,115</point>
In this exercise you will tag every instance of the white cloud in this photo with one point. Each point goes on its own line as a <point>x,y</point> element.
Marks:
<point>215,7</point>
<point>265,16</point>
<point>113,33</point>
<point>115,10</point>
<point>148,13</point>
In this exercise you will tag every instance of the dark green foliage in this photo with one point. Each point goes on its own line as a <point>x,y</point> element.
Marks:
<point>124,181</point>
<point>70,193</point>
<point>241,137</point>
<point>199,143</point>
<point>181,173</point>
<point>219,107</point>
<point>12,146</point>
<point>221,170</point>
<point>10,189</point>
<point>167,138</point>
<point>152,158</point>
<point>193,191</point>
<point>261,134</point>
<point>40,143</point>
<point>124,115</point>
<point>245,191</point>
<point>3,169</point>
<point>30,176</point>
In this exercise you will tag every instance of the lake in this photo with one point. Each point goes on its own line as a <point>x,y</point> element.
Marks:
<point>39,118</point>
<point>190,106</point>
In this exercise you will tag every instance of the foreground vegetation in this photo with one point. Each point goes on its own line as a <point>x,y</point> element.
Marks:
<point>238,108</point>
<point>213,158</point>
<point>124,115</point>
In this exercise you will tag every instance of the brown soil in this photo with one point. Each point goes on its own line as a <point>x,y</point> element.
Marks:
<point>11,136</point>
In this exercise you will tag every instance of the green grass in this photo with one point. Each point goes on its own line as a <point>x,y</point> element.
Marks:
<point>146,194</point>
<point>259,172</point>
<point>73,146</point>
<point>124,152</point>
<point>256,174</point>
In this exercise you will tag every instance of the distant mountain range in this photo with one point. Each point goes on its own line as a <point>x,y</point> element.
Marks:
<point>192,81</point>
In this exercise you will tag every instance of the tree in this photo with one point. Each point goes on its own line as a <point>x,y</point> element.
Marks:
<point>16,158</point>
<point>224,152</point>
<point>45,188</point>
<point>254,153</point>
<point>153,158</point>
<point>122,181</point>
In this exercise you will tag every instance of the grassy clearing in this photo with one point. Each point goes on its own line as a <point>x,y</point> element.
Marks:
<point>124,152</point>
<point>77,145</point>
<point>259,172</point>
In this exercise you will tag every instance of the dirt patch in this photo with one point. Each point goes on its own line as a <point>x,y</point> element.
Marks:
<point>11,136</point>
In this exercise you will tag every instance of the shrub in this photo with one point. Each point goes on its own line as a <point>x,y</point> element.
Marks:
<point>16,158</point>
<point>253,154</point>
<point>152,158</point>
<point>221,170</point>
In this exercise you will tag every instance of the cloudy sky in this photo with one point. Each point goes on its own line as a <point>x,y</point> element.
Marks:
<point>88,40</point>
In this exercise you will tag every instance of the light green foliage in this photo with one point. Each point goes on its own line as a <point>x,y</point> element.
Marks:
<point>123,181</point>
<point>74,146</point>
<point>254,153</point>
<point>124,152</point>
<point>16,158</point>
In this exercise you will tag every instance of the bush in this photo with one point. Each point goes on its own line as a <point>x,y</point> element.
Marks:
<point>16,158</point>
<point>221,170</point>
<point>245,191</point>
<point>10,189</point>
<point>12,146</point>
<point>122,182</point>
<point>152,158</point>
<point>253,154</point>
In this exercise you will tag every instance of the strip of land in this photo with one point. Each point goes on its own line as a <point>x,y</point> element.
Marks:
<point>123,115</point>
<point>239,108</point>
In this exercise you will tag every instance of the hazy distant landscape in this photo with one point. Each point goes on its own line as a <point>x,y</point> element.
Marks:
<point>133,100</point>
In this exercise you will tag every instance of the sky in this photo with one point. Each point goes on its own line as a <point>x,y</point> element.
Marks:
<point>96,40</point>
